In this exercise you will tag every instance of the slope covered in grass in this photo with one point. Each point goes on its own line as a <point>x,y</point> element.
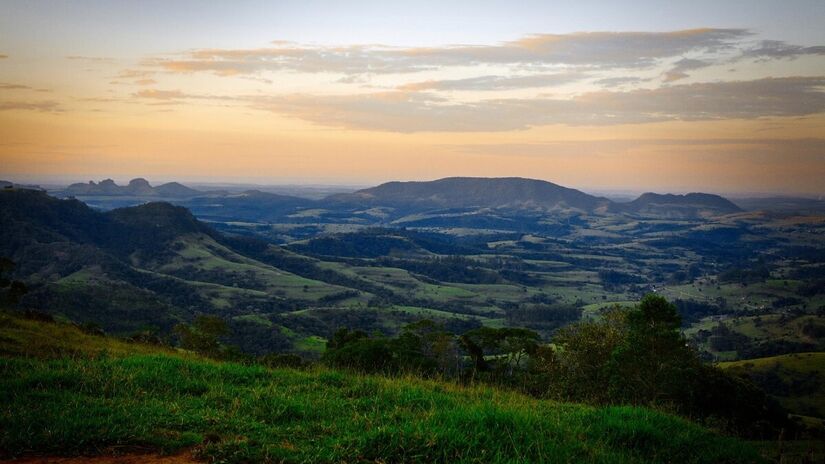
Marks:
<point>237,413</point>
<point>797,380</point>
<point>21,337</point>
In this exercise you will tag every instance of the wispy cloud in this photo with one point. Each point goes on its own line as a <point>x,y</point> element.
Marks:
<point>808,147</point>
<point>610,82</point>
<point>498,82</point>
<point>405,111</point>
<point>161,94</point>
<point>93,59</point>
<point>679,70</point>
<point>775,49</point>
<point>45,106</point>
<point>593,49</point>
<point>7,86</point>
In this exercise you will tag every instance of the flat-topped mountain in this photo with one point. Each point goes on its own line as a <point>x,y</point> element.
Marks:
<point>136,187</point>
<point>669,205</point>
<point>464,192</point>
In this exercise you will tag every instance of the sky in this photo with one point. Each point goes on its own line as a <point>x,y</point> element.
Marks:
<point>725,97</point>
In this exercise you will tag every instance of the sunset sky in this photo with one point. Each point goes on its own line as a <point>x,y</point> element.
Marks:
<point>668,96</point>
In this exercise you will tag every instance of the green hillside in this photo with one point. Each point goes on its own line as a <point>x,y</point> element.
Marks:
<point>104,395</point>
<point>796,380</point>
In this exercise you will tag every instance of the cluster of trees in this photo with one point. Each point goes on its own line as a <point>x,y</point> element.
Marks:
<point>629,356</point>
<point>746,273</point>
<point>541,316</point>
<point>358,245</point>
<point>693,311</point>
<point>10,290</point>
<point>612,279</point>
<point>448,269</point>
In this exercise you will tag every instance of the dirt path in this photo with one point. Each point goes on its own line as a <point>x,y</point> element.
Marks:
<point>182,458</point>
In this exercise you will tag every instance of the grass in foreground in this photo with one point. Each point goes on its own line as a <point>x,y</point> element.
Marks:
<point>69,406</point>
<point>234,413</point>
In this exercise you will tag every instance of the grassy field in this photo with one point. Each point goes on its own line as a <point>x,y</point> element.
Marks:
<point>147,398</point>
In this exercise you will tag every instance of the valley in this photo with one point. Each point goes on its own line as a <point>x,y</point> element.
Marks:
<point>287,272</point>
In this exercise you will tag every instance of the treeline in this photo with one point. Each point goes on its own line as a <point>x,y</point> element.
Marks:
<point>746,273</point>
<point>457,269</point>
<point>629,356</point>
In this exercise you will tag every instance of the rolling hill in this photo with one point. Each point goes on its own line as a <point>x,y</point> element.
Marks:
<point>796,380</point>
<point>145,266</point>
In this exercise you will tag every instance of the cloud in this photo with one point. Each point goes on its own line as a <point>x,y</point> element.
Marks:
<point>609,49</point>
<point>810,147</point>
<point>45,106</point>
<point>161,94</point>
<point>176,97</point>
<point>497,82</point>
<point>610,82</point>
<point>591,49</point>
<point>3,57</point>
<point>679,71</point>
<point>349,60</point>
<point>134,74</point>
<point>775,49</point>
<point>94,59</point>
<point>6,86</point>
<point>408,111</point>
<point>145,82</point>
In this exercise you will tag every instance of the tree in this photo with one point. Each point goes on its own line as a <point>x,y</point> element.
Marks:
<point>422,347</point>
<point>11,291</point>
<point>425,346</point>
<point>203,335</point>
<point>574,366</point>
<point>500,352</point>
<point>653,358</point>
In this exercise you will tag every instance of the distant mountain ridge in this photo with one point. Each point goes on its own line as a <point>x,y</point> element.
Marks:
<point>136,187</point>
<point>463,192</point>
<point>450,198</point>
<point>522,193</point>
